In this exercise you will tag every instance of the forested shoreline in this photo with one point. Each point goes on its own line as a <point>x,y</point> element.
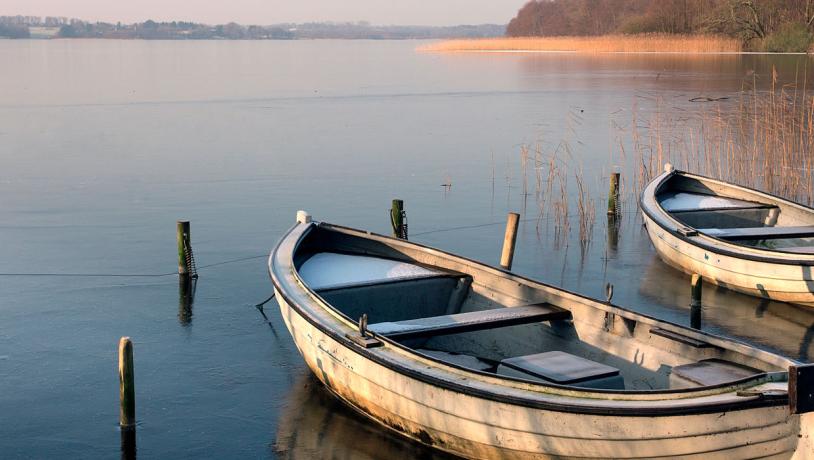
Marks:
<point>778,25</point>
<point>61,27</point>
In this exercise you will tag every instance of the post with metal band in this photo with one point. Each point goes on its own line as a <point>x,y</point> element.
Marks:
<point>695,303</point>
<point>509,240</point>
<point>184,242</point>
<point>397,219</point>
<point>613,195</point>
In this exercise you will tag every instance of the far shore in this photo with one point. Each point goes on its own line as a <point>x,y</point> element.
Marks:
<point>646,43</point>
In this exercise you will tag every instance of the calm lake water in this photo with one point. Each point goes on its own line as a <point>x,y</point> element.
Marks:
<point>105,144</point>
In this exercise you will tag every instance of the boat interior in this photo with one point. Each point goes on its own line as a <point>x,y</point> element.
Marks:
<point>461,313</point>
<point>736,215</point>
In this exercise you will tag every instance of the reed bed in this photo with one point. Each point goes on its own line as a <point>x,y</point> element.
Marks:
<point>763,140</point>
<point>642,43</point>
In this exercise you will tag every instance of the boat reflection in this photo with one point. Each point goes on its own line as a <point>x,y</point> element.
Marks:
<point>786,328</point>
<point>315,424</point>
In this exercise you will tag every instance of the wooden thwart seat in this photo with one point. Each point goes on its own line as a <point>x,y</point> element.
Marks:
<point>759,233</point>
<point>564,369</point>
<point>471,321</point>
<point>709,372</point>
<point>725,208</point>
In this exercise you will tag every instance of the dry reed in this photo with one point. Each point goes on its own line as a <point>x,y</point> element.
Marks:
<point>644,43</point>
<point>763,140</point>
<point>586,211</point>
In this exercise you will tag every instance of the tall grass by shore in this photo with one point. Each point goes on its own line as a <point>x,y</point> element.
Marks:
<point>763,140</point>
<point>644,43</point>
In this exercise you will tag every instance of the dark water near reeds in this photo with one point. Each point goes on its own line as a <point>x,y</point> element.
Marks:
<point>105,144</point>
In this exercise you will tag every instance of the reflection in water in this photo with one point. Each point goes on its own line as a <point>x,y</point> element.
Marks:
<point>696,74</point>
<point>128,444</point>
<point>315,424</point>
<point>613,234</point>
<point>186,298</point>
<point>783,327</point>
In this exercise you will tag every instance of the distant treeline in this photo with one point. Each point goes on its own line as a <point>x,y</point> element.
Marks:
<point>771,25</point>
<point>58,27</point>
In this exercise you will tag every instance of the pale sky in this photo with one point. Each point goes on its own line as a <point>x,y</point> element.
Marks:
<point>382,12</point>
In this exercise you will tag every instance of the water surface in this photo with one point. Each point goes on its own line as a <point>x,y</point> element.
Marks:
<point>105,144</point>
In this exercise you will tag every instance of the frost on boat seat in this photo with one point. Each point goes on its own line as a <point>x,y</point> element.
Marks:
<point>326,270</point>
<point>759,233</point>
<point>709,372</point>
<point>684,202</point>
<point>564,369</point>
<point>383,289</point>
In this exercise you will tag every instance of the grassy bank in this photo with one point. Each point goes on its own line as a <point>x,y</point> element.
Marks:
<point>645,43</point>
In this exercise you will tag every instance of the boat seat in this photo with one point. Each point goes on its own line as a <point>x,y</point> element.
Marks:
<point>759,233</point>
<point>709,372</point>
<point>563,369</point>
<point>471,321</point>
<point>329,270</point>
<point>699,202</point>
<point>798,249</point>
<point>458,359</point>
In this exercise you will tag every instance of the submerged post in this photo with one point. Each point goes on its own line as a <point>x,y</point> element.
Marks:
<point>695,303</point>
<point>184,242</point>
<point>509,240</point>
<point>613,195</point>
<point>127,389</point>
<point>397,219</point>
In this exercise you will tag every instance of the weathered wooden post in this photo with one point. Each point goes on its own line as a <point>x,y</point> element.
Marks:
<point>509,240</point>
<point>695,303</point>
<point>127,388</point>
<point>397,219</point>
<point>613,195</point>
<point>184,242</point>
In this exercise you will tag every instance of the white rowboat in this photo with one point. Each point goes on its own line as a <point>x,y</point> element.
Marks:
<point>482,363</point>
<point>733,236</point>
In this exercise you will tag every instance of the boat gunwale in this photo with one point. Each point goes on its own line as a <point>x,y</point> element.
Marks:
<point>718,245</point>
<point>703,407</point>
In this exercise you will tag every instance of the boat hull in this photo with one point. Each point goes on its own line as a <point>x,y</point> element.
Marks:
<point>476,427</point>
<point>782,282</point>
<point>773,274</point>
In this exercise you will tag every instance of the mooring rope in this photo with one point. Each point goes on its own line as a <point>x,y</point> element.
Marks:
<point>133,275</point>
<point>194,269</point>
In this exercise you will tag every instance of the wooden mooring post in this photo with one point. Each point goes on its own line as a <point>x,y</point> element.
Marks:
<point>127,388</point>
<point>695,303</point>
<point>397,219</point>
<point>613,195</point>
<point>184,241</point>
<point>509,240</point>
